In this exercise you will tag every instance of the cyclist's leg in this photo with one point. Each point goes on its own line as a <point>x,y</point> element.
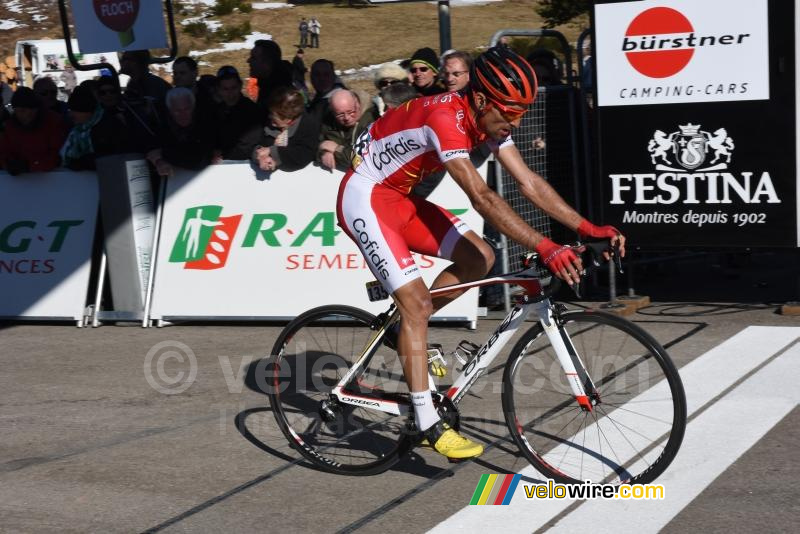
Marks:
<point>382,238</point>
<point>437,232</point>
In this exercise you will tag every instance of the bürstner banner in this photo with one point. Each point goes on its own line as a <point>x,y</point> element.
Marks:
<point>681,51</point>
<point>701,169</point>
<point>47,224</point>
<point>234,246</point>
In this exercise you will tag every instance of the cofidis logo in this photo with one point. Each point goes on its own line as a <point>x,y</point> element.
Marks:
<point>681,51</point>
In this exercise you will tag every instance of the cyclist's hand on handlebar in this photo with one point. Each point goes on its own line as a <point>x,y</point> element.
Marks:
<point>615,237</point>
<point>561,260</point>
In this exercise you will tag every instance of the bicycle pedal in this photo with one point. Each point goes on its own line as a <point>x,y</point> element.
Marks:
<point>436,363</point>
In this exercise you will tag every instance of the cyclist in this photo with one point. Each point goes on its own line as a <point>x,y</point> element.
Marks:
<point>376,209</point>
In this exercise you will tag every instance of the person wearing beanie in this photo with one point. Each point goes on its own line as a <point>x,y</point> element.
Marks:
<point>78,150</point>
<point>388,74</point>
<point>424,68</point>
<point>32,137</point>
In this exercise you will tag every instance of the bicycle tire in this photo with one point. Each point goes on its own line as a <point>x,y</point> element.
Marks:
<point>327,341</point>
<point>634,432</point>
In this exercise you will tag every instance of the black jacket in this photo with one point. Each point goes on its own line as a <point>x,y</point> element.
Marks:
<point>302,147</point>
<point>233,123</point>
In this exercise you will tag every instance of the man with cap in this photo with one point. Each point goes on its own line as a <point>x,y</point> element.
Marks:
<point>424,68</point>
<point>32,137</point>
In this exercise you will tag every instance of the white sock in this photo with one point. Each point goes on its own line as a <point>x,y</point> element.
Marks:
<point>425,413</point>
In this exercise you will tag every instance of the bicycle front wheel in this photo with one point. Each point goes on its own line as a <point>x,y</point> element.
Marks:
<point>634,431</point>
<point>309,358</point>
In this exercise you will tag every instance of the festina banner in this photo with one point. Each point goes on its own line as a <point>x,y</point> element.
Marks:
<point>718,173</point>
<point>116,25</point>
<point>47,224</point>
<point>681,51</point>
<point>234,246</point>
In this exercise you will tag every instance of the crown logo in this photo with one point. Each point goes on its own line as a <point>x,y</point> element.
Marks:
<point>689,129</point>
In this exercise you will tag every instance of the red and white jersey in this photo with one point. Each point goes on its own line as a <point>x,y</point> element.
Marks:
<point>416,138</point>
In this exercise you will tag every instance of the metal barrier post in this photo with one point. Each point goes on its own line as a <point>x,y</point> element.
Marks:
<point>444,25</point>
<point>148,299</point>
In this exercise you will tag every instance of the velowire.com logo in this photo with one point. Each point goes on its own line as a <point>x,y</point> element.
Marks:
<point>205,238</point>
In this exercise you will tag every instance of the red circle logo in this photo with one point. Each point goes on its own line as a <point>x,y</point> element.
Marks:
<point>649,50</point>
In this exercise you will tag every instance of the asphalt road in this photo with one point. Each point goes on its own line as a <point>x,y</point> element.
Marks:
<point>88,443</point>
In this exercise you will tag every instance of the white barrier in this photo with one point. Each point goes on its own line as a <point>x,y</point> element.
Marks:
<point>236,246</point>
<point>47,225</point>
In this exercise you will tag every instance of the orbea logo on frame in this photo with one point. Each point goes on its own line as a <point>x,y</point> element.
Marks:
<point>681,51</point>
<point>205,238</point>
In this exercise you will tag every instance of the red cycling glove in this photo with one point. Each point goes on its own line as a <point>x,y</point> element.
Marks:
<point>587,229</point>
<point>555,257</point>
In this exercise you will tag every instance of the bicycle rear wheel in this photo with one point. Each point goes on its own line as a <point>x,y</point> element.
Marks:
<point>309,358</point>
<point>630,436</point>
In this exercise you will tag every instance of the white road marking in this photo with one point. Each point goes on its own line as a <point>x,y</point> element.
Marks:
<point>704,378</point>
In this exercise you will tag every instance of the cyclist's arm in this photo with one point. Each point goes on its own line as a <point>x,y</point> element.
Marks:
<point>536,189</point>
<point>490,205</point>
<point>540,193</point>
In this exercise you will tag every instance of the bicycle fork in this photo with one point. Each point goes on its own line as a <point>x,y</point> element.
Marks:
<point>583,389</point>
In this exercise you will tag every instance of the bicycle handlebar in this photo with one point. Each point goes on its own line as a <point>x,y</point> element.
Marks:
<point>591,250</point>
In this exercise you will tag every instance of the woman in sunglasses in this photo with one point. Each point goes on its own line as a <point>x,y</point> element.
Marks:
<point>424,69</point>
<point>377,210</point>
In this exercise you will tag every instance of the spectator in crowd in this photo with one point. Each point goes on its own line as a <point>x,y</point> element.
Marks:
<point>47,90</point>
<point>303,32</point>
<point>351,113</point>
<point>299,70</point>
<point>69,78</point>
<point>269,69</point>
<point>78,151</point>
<point>324,81</point>
<point>424,66</point>
<point>546,66</point>
<point>288,141</point>
<point>6,92</point>
<point>313,28</point>
<point>396,94</point>
<point>184,74</point>
<point>121,129</point>
<point>236,115</point>
<point>455,69</point>
<point>32,136</point>
<point>5,101</point>
<point>187,140</point>
<point>142,84</point>
<point>386,75</point>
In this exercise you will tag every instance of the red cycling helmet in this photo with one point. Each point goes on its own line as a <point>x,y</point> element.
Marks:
<point>504,76</point>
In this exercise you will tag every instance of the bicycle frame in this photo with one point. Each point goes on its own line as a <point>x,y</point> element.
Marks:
<point>534,301</point>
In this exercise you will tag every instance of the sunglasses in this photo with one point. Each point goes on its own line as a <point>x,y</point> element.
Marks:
<point>509,113</point>
<point>47,93</point>
<point>387,83</point>
<point>415,70</point>
<point>106,92</point>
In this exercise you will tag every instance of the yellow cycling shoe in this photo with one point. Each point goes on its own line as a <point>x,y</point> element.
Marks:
<point>450,443</point>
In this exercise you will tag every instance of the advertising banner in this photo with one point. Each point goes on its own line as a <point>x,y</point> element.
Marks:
<point>235,245</point>
<point>718,170</point>
<point>47,226</point>
<point>116,25</point>
<point>681,51</point>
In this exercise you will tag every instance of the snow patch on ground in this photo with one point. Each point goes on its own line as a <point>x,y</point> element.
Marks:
<point>9,24</point>
<point>212,25</point>
<point>248,43</point>
<point>270,5</point>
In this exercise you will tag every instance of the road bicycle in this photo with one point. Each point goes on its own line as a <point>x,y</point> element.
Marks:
<point>586,395</point>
